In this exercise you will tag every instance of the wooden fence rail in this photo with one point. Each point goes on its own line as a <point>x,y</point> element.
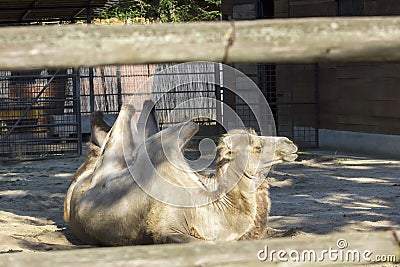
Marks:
<point>343,249</point>
<point>279,40</point>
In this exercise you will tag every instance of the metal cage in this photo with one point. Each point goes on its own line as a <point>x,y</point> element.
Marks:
<point>39,114</point>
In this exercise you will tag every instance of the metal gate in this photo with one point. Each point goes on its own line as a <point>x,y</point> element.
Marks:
<point>39,114</point>
<point>292,94</point>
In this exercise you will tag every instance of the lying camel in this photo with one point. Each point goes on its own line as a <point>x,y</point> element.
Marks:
<point>149,194</point>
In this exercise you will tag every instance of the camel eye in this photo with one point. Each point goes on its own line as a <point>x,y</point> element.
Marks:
<point>258,149</point>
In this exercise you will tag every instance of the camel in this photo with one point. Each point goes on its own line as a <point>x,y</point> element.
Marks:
<point>135,187</point>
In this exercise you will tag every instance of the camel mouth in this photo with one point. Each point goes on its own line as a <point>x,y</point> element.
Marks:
<point>263,170</point>
<point>290,157</point>
<point>249,176</point>
<point>288,153</point>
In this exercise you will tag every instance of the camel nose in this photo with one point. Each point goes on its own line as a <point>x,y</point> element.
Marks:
<point>286,149</point>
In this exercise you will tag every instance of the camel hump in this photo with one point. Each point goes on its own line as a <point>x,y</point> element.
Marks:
<point>148,123</point>
<point>99,128</point>
<point>123,135</point>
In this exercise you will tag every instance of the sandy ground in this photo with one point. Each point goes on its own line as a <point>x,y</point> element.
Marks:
<point>320,193</point>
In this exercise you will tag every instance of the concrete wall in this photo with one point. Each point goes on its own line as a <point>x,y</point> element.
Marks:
<point>372,144</point>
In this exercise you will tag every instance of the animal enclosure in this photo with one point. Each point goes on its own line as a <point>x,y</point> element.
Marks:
<point>384,243</point>
<point>229,42</point>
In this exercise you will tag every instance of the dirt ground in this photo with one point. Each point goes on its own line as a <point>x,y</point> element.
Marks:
<point>320,193</point>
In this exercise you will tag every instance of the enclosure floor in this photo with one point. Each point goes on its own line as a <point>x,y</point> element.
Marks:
<point>320,193</point>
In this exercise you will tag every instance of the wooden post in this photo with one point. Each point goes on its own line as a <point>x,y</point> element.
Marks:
<point>347,249</point>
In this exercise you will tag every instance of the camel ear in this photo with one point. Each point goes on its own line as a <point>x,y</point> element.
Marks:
<point>226,151</point>
<point>99,128</point>
<point>148,124</point>
<point>227,154</point>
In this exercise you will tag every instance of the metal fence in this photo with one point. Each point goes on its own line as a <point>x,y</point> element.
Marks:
<point>45,113</point>
<point>291,91</point>
<point>39,114</point>
<point>170,86</point>
<point>292,94</point>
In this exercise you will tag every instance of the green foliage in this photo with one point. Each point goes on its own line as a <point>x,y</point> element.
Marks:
<point>165,10</point>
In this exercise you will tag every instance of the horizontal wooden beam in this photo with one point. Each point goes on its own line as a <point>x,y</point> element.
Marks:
<point>278,40</point>
<point>342,249</point>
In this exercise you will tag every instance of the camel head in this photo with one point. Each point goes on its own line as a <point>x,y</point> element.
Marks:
<point>254,155</point>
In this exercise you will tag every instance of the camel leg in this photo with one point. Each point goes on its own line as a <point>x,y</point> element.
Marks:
<point>99,128</point>
<point>181,238</point>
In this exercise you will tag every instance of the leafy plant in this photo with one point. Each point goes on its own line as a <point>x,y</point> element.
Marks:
<point>165,10</point>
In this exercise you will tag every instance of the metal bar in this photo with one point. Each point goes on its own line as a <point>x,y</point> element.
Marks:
<point>29,10</point>
<point>37,21</point>
<point>77,108</point>
<point>291,100</point>
<point>156,74</point>
<point>277,103</point>
<point>186,108</point>
<point>41,76</point>
<point>78,13</point>
<point>316,88</point>
<point>51,7</point>
<point>30,106</point>
<point>217,83</point>
<point>91,89</point>
<point>88,6</point>
<point>12,160</point>
<point>89,14</point>
<point>41,125</point>
<point>35,140</point>
<point>119,87</point>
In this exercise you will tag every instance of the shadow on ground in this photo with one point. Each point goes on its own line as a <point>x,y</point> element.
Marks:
<point>323,193</point>
<point>320,193</point>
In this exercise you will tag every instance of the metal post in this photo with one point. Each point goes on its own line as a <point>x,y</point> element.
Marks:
<point>316,88</point>
<point>77,107</point>
<point>291,101</point>
<point>119,87</point>
<point>217,83</point>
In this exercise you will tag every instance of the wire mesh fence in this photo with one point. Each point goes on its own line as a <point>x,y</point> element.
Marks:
<point>171,87</point>
<point>292,94</point>
<point>291,91</point>
<point>44,113</point>
<point>38,114</point>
